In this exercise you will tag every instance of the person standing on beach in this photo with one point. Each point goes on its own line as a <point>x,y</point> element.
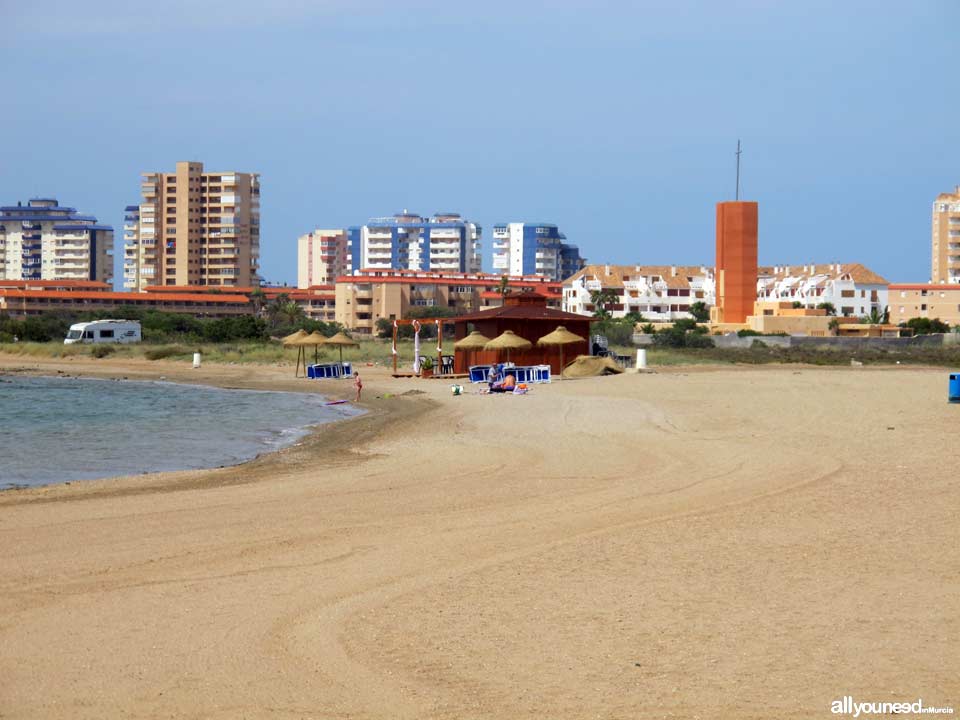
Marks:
<point>358,384</point>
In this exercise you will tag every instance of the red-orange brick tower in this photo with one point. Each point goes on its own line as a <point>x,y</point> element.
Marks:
<point>736,260</point>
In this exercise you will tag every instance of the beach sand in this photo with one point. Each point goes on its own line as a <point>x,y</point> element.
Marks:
<point>712,543</point>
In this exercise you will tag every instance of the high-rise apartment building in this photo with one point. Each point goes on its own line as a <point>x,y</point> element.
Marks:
<point>946,238</point>
<point>194,228</point>
<point>321,256</point>
<point>406,241</point>
<point>534,249</point>
<point>44,241</point>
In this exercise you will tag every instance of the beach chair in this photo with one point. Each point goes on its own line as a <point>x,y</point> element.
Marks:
<point>346,369</point>
<point>478,373</point>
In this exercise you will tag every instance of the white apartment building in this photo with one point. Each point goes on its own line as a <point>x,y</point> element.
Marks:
<point>406,241</point>
<point>661,293</point>
<point>44,241</point>
<point>534,249</point>
<point>322,255</point>
<point>853,289</point>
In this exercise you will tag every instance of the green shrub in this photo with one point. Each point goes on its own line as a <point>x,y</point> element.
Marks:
<point>617,332</point>
<point>101,351</point>
<point>684,333</point>
<point>164,351</point>
<point>926,326</point>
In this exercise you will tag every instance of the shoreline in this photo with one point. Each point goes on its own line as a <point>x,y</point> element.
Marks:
<point>318,439</point>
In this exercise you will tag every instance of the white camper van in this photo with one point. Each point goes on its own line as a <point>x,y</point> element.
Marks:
<point>104,331</point>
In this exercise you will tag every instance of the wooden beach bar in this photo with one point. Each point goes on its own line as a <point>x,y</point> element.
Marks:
<point>526,314</point>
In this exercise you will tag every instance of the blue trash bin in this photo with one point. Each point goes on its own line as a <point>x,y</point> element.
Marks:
<point>953,394</point>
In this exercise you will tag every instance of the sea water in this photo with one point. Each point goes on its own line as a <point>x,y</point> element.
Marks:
<point>65,429</point>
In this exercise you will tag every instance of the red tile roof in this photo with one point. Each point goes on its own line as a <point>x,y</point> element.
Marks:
<point>523,312</point>
<point>23,284</point>
<point>126,297</point>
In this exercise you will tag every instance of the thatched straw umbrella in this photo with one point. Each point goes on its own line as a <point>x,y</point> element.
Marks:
<point>300,343</point>
<point>298,335</point>
<point>342,340</point>
<point>508,340</point>
<point>472,342</point>
<point>316,339</point>
<point>560,337</point>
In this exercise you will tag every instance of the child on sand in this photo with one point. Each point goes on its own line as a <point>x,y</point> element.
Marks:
<point>358,385</point>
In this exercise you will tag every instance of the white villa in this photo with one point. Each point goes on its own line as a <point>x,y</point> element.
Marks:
<point>664,293</point>
<point>661,293</point>
<point>852,289</point>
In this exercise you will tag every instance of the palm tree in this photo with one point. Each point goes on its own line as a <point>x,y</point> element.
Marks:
<point>258,299</point>
<point>876,317</point>
<point>600,299</point>
<point>700,311</point>
<point>274,310</point>
<point>292,312</point>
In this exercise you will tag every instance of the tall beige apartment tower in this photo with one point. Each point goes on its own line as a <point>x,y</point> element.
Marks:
<point>194,228</point>
<point>322,255</point>
<point>946,238</point>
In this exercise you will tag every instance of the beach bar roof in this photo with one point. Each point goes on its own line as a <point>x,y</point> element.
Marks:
<point>526,315</point>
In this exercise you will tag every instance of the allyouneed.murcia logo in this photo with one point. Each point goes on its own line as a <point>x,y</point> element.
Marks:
<point>847,706</point>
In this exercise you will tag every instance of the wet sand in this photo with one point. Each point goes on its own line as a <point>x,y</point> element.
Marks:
<point>737,543</point>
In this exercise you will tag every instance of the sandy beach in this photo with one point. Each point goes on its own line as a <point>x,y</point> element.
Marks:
<point>691,543</point>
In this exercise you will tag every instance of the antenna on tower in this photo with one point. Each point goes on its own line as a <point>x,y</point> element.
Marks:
<point>738,169</point>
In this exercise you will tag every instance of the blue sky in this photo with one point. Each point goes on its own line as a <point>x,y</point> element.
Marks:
<point>616,120</point>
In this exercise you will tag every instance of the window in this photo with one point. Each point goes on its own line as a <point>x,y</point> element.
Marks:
<point>847,293</point>
<point>106,333</point>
